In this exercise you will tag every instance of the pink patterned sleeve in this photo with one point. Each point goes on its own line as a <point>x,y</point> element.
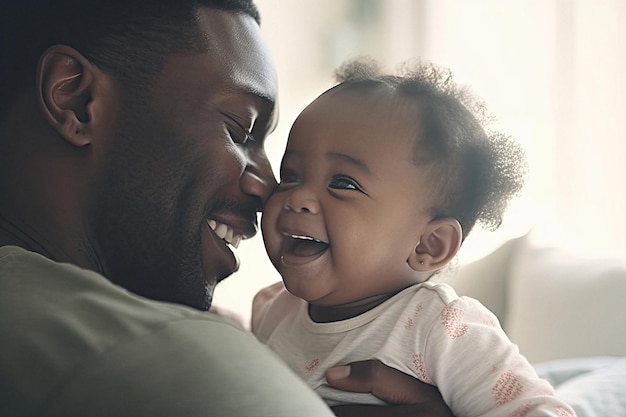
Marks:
<point>479,371</point>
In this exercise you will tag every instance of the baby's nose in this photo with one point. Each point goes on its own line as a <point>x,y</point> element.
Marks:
<point>301,201</point>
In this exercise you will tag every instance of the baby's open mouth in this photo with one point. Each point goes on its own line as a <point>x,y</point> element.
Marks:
<point>299,245</point>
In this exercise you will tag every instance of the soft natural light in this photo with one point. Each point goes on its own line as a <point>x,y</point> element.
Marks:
<point>551,71</point>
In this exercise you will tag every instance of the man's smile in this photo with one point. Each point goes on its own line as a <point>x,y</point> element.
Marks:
<point>218,242</point>
<point>226,233</point>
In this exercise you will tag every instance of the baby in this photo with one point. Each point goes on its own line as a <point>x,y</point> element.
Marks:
<point>383,178</point>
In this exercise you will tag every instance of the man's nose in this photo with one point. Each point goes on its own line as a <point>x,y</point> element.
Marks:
<point>258,178</point>
<point>302,200</point>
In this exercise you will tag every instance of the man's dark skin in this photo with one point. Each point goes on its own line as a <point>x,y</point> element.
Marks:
<point>75,189</point>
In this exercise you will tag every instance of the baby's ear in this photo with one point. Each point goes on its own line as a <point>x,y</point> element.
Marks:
<point>439,243</point>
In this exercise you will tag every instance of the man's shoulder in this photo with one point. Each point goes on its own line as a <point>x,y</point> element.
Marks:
<point>70,332</point>
<point>28,279</point>
<point>58,320</point>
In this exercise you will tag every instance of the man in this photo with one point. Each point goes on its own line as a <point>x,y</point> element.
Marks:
<point>132,137</point>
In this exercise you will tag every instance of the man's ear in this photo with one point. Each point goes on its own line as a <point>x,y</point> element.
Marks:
<point>439,243</point>
<point>65,83</point>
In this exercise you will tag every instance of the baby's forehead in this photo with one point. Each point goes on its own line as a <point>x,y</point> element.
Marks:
<point>377,91</point>
<point>373,109</point>
<point>357,121</point>
<point>372,98</point>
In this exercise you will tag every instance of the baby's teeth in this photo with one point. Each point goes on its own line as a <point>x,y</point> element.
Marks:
<point>229,235</point>
<point>221,231</point>
<point>212,224</point>
<point>235,242</point>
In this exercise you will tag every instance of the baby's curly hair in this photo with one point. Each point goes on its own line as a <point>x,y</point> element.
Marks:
<point>476,171</point>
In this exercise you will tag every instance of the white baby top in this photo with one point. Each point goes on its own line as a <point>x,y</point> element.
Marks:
<point>427,331</point>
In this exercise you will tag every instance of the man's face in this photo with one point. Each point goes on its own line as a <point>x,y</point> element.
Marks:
<point>188,172</point>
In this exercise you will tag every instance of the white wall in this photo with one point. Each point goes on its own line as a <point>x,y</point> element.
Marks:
<point>551,70</point>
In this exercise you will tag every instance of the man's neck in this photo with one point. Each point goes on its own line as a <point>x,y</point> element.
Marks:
<point>16,232</point>
<point>11,233</point>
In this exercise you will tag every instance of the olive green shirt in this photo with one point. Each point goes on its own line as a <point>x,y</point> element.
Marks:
<point>74,344</point>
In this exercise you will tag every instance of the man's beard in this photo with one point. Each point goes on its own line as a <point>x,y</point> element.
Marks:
<point>152,260</point>
<point>145,224</point>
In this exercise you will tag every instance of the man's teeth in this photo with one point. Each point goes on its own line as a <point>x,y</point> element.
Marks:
<point>226,233</point>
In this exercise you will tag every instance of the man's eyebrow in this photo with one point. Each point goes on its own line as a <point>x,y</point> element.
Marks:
<point>263,96</point>
<point>252,91</point>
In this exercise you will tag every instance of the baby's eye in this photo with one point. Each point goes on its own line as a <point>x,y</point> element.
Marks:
<point>343,183</point>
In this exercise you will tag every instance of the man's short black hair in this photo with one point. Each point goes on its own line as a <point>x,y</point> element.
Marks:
<point>128,38</point>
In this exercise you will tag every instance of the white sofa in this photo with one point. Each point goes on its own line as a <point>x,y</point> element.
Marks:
<point>566,310</point>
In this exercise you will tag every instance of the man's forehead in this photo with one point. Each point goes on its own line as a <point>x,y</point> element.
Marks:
<point>238,53</point>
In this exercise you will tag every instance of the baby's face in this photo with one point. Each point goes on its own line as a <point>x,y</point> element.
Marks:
<point>351,204</point>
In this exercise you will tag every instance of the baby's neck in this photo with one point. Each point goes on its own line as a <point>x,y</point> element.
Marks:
<point>327,314</point>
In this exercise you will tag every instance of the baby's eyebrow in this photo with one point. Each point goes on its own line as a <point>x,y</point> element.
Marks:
<point>289,153</point>
<point>360,164</point>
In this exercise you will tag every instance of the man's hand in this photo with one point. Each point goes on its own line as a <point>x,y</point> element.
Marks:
<point>406,395</point>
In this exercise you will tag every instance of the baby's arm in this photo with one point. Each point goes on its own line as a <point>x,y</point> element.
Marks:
<point>262,301</point>
<point>479,371</point>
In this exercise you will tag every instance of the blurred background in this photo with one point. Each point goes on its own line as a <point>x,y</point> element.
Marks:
<point>551,71</point>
